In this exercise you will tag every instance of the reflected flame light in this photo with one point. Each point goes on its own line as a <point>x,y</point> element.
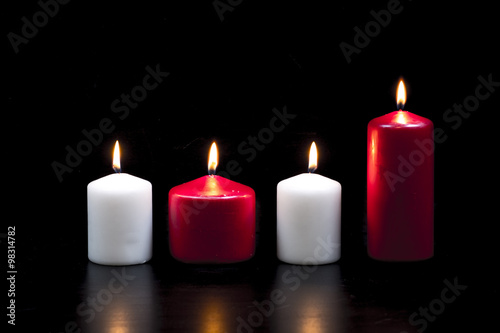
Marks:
<point>116,158</point>
<point>372,160</point>
<point>213,158</point>
<point>311,318</point>
<point>213,316</point>
<point>313,158</point>
<point>118,319</point>
<point>401,117</point>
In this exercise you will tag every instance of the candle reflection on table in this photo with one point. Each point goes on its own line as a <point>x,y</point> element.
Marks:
<point>206,298</point>
<point>314,301</point>
<point>214,314</point>
<point>118,299</point>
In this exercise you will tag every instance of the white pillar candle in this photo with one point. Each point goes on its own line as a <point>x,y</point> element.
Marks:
<point>308,218</point>
<point>120,219</point>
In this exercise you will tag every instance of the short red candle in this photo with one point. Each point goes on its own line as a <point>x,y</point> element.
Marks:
<point>212,220</point>
<point>400,187</point>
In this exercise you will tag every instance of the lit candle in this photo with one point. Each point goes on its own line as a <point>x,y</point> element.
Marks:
<point>400,185</point>
<point>212,219</point>
<point>119,218</point>
<point>308,217</point>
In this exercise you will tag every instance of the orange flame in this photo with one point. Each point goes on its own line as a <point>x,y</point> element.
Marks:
<point>313,158</point>
<point>116,158</point>
<point>213,159</point>
<point>401,95</point>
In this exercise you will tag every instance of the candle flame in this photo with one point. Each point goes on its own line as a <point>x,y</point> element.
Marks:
<point>401,95</point>
<point>116,158</point>
<point>213,159</point>
<point>313,158</point>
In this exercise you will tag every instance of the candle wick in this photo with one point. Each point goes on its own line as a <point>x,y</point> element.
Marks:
<point>211,169</point>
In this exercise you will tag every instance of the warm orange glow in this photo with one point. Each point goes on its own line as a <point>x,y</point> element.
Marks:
<point>372,145</point>
<point>401,95</point>
<point>313,158</point>
<point>213,159</point>
<point>212,187</point>
<point>373,158</point>
<point>401,117</point>
<point>213,315</point>
<point>310,321</point>
<point>116,158</point>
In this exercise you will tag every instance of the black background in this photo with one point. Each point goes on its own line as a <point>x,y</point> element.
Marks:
<point>225,78</point>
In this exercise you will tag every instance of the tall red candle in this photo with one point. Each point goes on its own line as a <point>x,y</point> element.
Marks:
<point>400,186</point>
<point>212,220</point>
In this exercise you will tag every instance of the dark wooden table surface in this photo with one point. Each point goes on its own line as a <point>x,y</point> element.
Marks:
<point>356,294</point>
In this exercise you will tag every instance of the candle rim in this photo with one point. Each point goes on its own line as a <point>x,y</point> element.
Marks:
<point>228,188</point>
<point>319,182</point>
<point>115,181</point>
<point>387,120</point>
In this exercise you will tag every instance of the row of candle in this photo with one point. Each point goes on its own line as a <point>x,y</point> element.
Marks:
<point>212,219</point>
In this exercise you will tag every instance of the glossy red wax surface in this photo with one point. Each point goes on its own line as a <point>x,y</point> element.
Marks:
<point>212,220</point>
<point>400,187</point>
